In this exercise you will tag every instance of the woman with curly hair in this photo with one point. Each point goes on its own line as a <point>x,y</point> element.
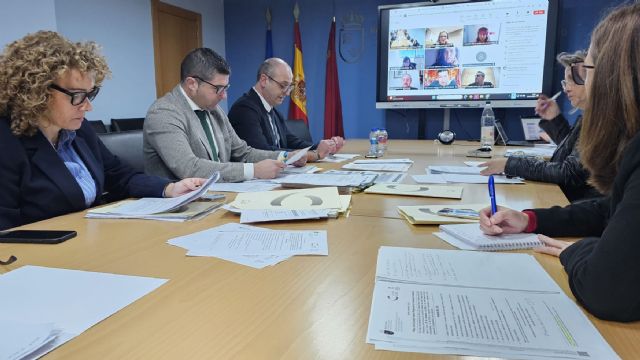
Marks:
<point>604,268</point>
<point>52,161</point>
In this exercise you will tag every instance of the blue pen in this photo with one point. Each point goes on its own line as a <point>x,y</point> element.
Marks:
<point>492,195</point>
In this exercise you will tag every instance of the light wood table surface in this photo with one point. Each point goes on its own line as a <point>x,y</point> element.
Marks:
<point>308,307</point>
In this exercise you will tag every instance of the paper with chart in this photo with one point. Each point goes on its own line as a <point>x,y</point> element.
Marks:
<point>381,177</point>
<point>493,305</point>
<point>252,246</point>
<point>73,300</point>
<point>438,191</point>
<point>298,199</point>
<point>428,214</point>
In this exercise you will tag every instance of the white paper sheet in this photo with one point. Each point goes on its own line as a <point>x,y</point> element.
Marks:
<point>381,177</point>
<point>244,187</point>
<point>254,216</point>
<point>338,158</point>
<point>463,170</point>
<point>479,179</point>
<point>325,179</point>
<point>297,156</point>
<point>429,179</point>
<point>399,167</point>
<point>19,340</point>
<point>477,304</point>
<point>73,300</point>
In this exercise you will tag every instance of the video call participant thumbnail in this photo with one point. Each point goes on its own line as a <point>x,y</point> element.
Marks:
<point>443,79</point>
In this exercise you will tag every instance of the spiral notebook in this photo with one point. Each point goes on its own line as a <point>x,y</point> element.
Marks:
<point>470,237</point>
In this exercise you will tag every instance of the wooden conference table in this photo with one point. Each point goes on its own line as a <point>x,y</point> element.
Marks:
<point>308,307</point>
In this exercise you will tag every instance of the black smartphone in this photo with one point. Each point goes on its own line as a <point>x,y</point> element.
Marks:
<point>36,236</point>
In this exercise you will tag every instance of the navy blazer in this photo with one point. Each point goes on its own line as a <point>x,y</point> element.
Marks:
<point>36,185</point>
<point>250,121</point>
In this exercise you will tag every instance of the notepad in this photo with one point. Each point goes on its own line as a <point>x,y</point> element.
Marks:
<point>470,237</point>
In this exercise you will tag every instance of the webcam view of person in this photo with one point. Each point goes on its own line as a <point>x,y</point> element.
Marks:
<point>406,82</point>
<point>479,82</point>
<point>447,57</point>
<point>443,39</point>
<point>403,38</point>
<point>483,36</point>
<point>407,64</point>
<point>443,80</point>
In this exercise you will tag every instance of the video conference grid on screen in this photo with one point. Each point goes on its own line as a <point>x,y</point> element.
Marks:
<point>470,51</point>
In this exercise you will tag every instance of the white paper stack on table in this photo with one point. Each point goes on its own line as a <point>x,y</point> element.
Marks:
<point>312,203</point>
<point>428,214</point>
<point>450,192</point>
<point>470,237</point>
<point>400,165</point>
<point>338,158</point>
<point>381,177</point>
<point>543,151</point>
<point>343,181</point>
<point>253,246</point>
<point>476,304</point>
<point>52,306</point>
<point>307,169</point>
<point>460,174</point>
<point>246,186</point>
<point>148,208</point>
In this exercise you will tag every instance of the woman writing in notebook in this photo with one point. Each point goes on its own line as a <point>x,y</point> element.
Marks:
<point>603,268</point>
<point>51,159</point>
<point>564,167</point>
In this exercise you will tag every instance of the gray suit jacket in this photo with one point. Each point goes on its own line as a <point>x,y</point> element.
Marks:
<point>175,145</point>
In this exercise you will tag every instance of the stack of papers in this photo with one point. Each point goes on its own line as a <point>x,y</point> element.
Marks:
<point>381,177</point>
<point>451,192</point>
<point>463,179</point>
<point>192,211</point>
<point>247,186</point>
<point>400,165</point>
<point>73,301</point>
<point>281,205</point>
<point>476,304</point>
<point>538,151</point>
<point>461,170</point>
<point>338,158</point>
<point>308,169</point>
<point>344,181</point>
<point>253,246</point>
<point>428,214</point>
<point>143,208</point>
<point>470,237</point>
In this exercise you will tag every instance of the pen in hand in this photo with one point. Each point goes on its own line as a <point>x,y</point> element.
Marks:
<point>492,195</point>
<point>554,97</point>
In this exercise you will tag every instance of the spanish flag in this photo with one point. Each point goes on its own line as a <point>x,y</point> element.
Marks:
<point>298,104</point>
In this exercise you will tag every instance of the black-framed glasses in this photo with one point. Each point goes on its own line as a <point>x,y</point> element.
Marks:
<point>219,88</point>
<point>578,72</point>
<point>77,97</point>
<point>284,87</point>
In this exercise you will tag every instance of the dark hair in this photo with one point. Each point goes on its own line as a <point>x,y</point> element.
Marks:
<point>441,57</point>
<point>612,115</point>
<point>482,30</point>
<point>204,63</point>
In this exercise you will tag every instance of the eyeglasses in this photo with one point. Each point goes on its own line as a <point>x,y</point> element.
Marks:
<point>284,87</point>
<point>219,88</point>
<point>77,97</point>
<point>578,73</point>
<point>564,84</point>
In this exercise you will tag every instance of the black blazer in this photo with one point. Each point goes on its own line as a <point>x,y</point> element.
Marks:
<point>250,120</point>
<point>604,268</point>
<point>36,185</point>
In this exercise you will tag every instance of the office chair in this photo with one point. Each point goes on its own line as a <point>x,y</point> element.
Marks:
<point>127,145</point>
<point>98,126</point>
<point>127,124</point>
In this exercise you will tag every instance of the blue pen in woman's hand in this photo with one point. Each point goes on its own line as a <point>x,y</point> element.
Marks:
<point>492,195</point>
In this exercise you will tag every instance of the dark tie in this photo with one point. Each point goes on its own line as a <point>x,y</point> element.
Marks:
<point>202,115</point>
<point>274,128</point>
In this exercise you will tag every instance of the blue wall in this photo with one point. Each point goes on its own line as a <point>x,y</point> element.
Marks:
<point>245,42</point>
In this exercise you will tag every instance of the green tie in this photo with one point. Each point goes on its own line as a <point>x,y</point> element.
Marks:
<point>202,115</point>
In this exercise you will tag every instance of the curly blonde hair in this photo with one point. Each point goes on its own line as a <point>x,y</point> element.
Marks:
<point>30,65</point>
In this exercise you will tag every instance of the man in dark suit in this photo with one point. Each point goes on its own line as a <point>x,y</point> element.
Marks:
<point>256,120</point>
<point>479,81</point>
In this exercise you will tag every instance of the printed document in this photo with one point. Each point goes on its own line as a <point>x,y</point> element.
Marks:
<point>298,199</point>
<point>428,214</point>
<point>381,166</point>
<point>381,177</point>
<point>439,191</point>
<point>476,304</point>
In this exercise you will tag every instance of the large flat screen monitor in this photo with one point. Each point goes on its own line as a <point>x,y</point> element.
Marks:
<point>453,53</point>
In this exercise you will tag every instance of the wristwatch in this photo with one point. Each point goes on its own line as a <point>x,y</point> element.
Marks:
<point>316,153</point>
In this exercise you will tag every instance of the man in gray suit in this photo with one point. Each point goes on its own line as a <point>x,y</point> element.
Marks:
<point>186,133</point>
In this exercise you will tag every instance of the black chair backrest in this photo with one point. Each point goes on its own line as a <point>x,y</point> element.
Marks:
<point>299,129</point>
<point>127,145</point>
<point>98,126</point>
<point>127,124</point>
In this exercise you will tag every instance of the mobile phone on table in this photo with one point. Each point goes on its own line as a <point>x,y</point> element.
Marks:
<point>36,236</point>
<point>460,213</point>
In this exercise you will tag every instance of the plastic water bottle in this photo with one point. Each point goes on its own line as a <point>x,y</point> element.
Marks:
<point>487,126</point>
<point>383,137</point>
<point>373,143</point>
